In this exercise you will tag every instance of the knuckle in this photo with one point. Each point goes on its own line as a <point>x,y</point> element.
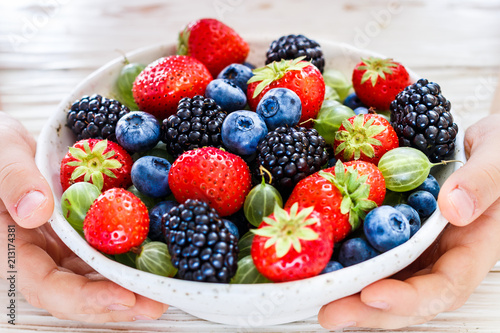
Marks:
<point>490,175</point>
<point>11,170</point>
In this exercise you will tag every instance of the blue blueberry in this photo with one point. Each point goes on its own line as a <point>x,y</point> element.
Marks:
<point>150,176</point>
<point>280,107</point>
<point>242,131</point>
<point>239,74</point>
<point>138,131</point>
<point>331,267</point>
<point>423,202</point>
<point>232,228</point>
<point>249,65</point>
<point>431,185</point>
<point>412,217</point>
<point>331,162</point>
<point>225,93</point>
<point>386,227</point>
<point>356,250</point>
<point>155,215</point>
<point>353,101</point>
<point>361,110</point>
<point>240,221</point>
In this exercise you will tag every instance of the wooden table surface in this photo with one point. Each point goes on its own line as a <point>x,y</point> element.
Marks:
<point>48,46</point>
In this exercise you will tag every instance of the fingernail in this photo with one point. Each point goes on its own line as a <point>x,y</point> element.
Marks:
<point>462,203</point>
<point>343,325</point>
<point>379,305</point>
<point>118,307</point>
<point>29,203</point>
<point>142,317</point>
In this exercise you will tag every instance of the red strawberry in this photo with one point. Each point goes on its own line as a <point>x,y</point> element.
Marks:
<point>342,194</point>
<point>163,83</point>
<point>299,76</point>
<point>219,178</point>
<point>292,244</point>
<point>377,81</point>
<point>100,162</point>
<point>213,43</point>
<point>116,222</point>
<point>365,137</point>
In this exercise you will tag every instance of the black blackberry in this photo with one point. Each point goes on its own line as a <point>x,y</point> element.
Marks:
<point>200,245</point>
<point>197,123</point>
<point>95,117</point>
<point>422,119</point>
<point>291,154</point>
<point>293,46</point>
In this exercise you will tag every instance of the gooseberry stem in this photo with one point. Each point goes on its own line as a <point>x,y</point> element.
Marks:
<point>445,162</point>
<point>307,120</point>
<point>125,59</point>
<point>263,170</point>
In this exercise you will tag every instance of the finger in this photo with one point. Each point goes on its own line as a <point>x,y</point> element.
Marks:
<point>470,190</point>
<point>468,256</point>
<point>447,286</point>
<point>352,312</point>
<point>144,309</point>
<point>61,291</point>
<point>23,190</point>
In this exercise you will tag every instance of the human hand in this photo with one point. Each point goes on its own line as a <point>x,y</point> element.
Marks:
<point>444,277</point>
<point>49,275</point>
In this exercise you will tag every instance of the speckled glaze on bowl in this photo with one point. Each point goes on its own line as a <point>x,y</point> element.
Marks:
<point>239,305</point>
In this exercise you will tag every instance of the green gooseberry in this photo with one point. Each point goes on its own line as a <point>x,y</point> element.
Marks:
<point>405,168</point>
<point>247,273</point>
<point>331,94</point>
<point>124,83</point>
<point>128,258</point>
<point>260,201</point>
<point>337,80</point>
<point>330,117</point>
<point>155,258</point>
<point>76,201</point>
<point>245,244</point>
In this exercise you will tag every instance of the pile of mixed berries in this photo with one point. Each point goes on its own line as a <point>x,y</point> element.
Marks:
<point>196,149</point>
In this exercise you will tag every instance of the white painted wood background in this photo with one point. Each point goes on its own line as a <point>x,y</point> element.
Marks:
<point>48,46</point>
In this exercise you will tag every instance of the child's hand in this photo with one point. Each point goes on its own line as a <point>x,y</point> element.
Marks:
<point>49,275</point>
<point>444,277</point>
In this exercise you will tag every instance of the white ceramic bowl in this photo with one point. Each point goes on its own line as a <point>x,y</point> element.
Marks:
<point>240,305</point>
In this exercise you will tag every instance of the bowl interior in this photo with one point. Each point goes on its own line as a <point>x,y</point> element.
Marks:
<point>240,305</point>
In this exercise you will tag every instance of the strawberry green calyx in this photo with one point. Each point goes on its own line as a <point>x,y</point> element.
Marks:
<point>354,190</point>
<point>93,163</point>
<point>358,137</point>
<point>288,229</point>
<point>275,71</point>
<point>375,68</point>
<point>182,42</point>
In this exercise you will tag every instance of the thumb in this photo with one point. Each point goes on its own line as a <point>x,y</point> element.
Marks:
<point>470,190</point>
<point>24,192</point>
